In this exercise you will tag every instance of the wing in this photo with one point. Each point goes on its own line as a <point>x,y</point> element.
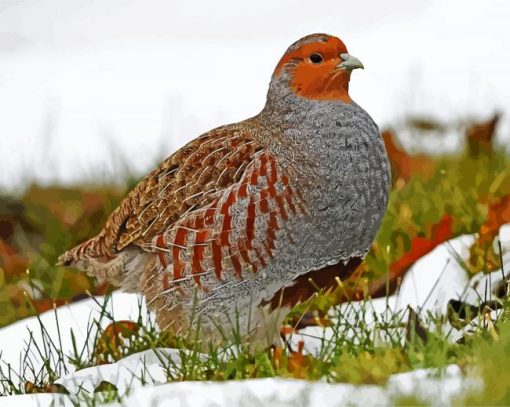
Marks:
<point>233,235</point>
<point>191,178</point>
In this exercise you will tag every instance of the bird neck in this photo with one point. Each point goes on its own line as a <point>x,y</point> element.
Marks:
<point>286,108</point>
<point>282,99</point>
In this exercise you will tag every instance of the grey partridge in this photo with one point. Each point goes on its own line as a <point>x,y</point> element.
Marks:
<point>250,218</point>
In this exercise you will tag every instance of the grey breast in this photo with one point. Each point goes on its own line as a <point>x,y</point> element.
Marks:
<point>337,157</point>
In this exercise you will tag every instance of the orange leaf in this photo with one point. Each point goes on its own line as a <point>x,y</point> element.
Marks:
<point>403,164</point>
<point>481,254</point>
<point>10,261</point>
<point>45,304</point>
<point>420,246</point>
<point>499,214</point>
<point>112,339</point>
<point>481,135</point>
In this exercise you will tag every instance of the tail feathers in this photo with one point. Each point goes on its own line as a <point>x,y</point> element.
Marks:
<point>90,249</point>
<point>123,269</point>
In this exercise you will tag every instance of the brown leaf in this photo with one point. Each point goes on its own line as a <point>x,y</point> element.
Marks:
<point>10,261</point>
<point>404,165</point>
<point>480,135</point>
<point>420,246</point>
<point>481,254</point>
<point>113,338</point>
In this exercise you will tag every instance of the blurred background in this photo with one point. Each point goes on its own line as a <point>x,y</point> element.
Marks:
<point>85,85</point>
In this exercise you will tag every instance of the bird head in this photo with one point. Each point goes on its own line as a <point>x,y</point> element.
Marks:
<point>316,67</point>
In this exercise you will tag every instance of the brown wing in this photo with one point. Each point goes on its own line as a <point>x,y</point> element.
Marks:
<point>229,239</point>
<point>188,179</point>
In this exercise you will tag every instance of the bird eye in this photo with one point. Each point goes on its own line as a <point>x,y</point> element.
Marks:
<point>316,58</point>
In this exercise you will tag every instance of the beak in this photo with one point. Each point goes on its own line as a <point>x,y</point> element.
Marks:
<point>349,62</point>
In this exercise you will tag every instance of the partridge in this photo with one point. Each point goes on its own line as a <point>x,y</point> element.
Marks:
<point>250,218</point>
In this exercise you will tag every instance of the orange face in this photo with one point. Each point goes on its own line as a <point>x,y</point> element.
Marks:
<point>316,72</point>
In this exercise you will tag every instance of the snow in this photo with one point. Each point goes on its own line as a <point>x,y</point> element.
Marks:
<point>433,390</point>
<point>427,287</point>
<point>424,384</point>
<point>125,373</point>
<point>36,400</point>
<point>262,392</point>
<point>75,317</point>
<point>436,278</point>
